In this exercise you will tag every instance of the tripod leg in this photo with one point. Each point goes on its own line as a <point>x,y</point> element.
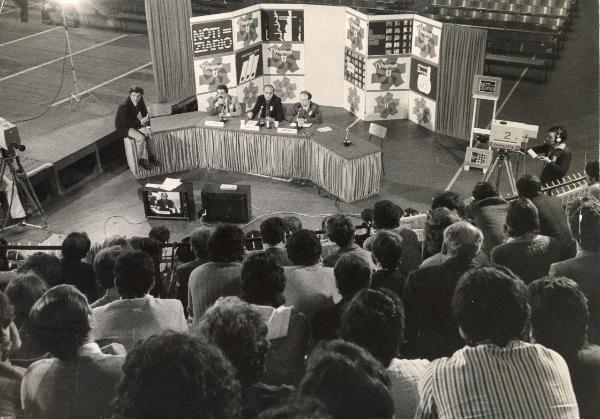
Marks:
<point>511,178</point>
<point>488,174</point>
<point>21,178</point>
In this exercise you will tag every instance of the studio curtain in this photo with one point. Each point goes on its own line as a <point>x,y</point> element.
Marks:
<point>171,48</point>
<point>462,54</point>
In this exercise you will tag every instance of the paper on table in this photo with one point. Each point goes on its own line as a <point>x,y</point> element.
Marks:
<point>169,184</point>
<point>153,185</point>
<point>324,129</point>
<point>251,123</point>
<point>532,153</point>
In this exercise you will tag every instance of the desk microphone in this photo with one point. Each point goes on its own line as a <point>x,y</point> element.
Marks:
<point>347,141</point>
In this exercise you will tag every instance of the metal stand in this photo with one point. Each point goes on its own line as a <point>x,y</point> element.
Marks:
<point>502,163</point>
<point>11,161</point>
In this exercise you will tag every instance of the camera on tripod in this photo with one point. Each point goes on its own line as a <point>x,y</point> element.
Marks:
<point>511,136</point>
<point>9,138</point>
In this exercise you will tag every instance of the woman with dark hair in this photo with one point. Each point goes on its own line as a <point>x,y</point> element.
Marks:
<point>310,286</point>
<point>263,282</point>
<point>219,277</point>
<point>527,253</point>
<point>173,376</point>
<point>437,221</point>
<point>45,266</point>
<point>240,332</point>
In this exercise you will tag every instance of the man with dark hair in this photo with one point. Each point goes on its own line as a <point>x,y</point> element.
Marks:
<point>352,274</point>
<point>592,172</point>
<point>559,321</point>
<point>10,375</point>
<point>340,230</point>
<point>387,251</point>
<point>160,233</point>
<point>386,216</point>
<point>310,286</point>
<point>46,266</point>
<point>73,270</point>
<point>553,222</point>
<point>374,320</point>
<point>137,315</point>
<point>431,331</point>
<point>496,374</point>
<point>488,211</point>
<point>79,381</point>
<point>583,268</point>
<point>272,231</point>
<point>129,124</point>
<point>451,200</point>
<point>268,105</point>
<point>224,103</point>
<point>292,224</point>
<point>555,154</point>
<point>306,111</point>
<point>104,267</point>
<point>174,376</point>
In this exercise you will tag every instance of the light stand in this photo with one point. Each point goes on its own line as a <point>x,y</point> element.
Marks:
<point>502,163</point>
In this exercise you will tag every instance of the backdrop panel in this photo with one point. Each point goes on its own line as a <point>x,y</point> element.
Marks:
<point>388,73</point>
<point>421,110</point>
<point>392,104</point>
<point>288,88</point>
<point>212,71</point>
<point>248,92</point>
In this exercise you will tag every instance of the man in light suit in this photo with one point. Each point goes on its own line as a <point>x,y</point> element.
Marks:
<point>306,111</point>
<point>268,105</point>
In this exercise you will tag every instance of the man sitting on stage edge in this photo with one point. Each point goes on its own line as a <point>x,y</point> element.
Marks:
<point>267,105</point>
<point>128,124</point>
<point>225,104</point>
<point>306,111</point>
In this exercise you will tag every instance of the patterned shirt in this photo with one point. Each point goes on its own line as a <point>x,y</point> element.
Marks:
<point>521,380</point>
<point>405,375</point>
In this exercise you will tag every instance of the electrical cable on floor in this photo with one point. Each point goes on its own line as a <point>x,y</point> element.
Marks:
<point>126,220</point>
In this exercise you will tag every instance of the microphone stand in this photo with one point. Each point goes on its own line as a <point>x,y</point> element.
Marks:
<point>347,141</point>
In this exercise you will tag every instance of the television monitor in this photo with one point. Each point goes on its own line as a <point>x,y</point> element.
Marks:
<point>176,204</point>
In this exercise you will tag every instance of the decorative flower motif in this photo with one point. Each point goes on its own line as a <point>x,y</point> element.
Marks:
<point>426,41</point>
<point>250,95</point>
<point>388,73</point>
<point>355,33</point>
<point>283,59</point>
<point>214,73</point>
<point>353,99</point>
<point>423,113</point>
<point>247,33</point>
<point>386,105</point>
<point>285,89</point>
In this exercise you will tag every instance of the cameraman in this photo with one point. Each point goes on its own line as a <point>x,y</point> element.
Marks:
<point>555,154</point>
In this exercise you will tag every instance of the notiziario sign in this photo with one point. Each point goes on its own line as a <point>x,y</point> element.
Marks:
<point>210,38</point>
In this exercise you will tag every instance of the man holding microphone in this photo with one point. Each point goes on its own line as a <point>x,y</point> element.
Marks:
<point>224,104</point>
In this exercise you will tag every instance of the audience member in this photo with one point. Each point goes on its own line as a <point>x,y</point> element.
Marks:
<point>154,248</point>
<point>44,266</point>
<point>137,315</point>
<point>174,376</point>
<point>431,331</point>
<point>272,231</point>
<point>592,172</point>
<point>526,253</point>
<point>352,274</point>
<point>348,381</point>
<point>496,374</point>
<point>374,320</point>
<point>555,154</point>
<point>79,381</point>
<point>73,270</point>
<point>451,200</point>
<point>386,216</point>
<point>584,268</point>
<point>387,252</point>
<point>10,375</point>
<point>292,224</point>
<point>263,282</point>
<point>437,221</point>
<point>160,233</point>
<point>340,230</point>
<point>299,408</point>
<point>488,211</point>
<point>104,268</point>
<point>559,321</point>
<point>199,243</point>
<point>553,222</point>
<point>220,276</point>
<point>241,333</point>
<point>310,286</point>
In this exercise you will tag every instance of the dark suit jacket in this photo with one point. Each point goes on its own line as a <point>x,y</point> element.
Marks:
<point>561,161</point>
<point>126,117</point>
<point>553,223</point>
<point>313,115</point>
<point>165,205</point>
<point>277,112</point>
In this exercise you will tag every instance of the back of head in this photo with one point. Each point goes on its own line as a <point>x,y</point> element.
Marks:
<point>6,317</point>
<point>177,376</point>
<point>592,170</point>
<point>117,241</point>
<point>60,320</point>
<point>584,220</point>
<point>226,244</point>
<point>23,291</point>
<point>352,274</point>
<point>104,265</point>
<point>199,241</point>
<point>76,245</point>
<point>522,218</point>
<point>160,233</point>
<point>490,303</point>
<point>437,221</point>
<point>299,408</point>
<point>134,274</point>
<point>528,186</point>
<point>451,200</point>
<point>483,190</point>
<point>374,320</point>
<point>263,280</point>
<point>292,224</point>
<point>340,230</point>
<point>304,248</point>
<point>43,265</point>
<point>387,249</point>
<point>386,214</point>
<point>559,314</point>
<point>348,381</point>
<point>272,231</point>
<point>462,239</point>
<point>241,333</point>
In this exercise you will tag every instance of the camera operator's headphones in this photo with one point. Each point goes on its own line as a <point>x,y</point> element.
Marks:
<point>558,132</point>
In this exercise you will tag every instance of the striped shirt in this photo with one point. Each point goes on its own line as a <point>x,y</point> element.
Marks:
<point>521,380</point>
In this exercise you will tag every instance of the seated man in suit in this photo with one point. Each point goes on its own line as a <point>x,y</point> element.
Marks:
<point>267,105</point>
<point>224,103</point>
<point>306,111</point>
<point>165,204</point>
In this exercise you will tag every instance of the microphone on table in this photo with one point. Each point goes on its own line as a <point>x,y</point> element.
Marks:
<point>347,141</point>
<point>259,116</point>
